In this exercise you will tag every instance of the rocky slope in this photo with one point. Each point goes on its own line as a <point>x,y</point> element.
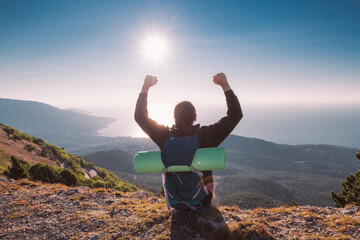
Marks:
<point>31,210</point>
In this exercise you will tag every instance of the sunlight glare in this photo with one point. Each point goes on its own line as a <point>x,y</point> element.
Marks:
<point>155,48</point>
<point>162,113</point>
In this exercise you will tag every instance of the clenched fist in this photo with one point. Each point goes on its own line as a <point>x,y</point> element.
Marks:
<point>220,79</point>
<point>150,80</point>
<point>148,83</point>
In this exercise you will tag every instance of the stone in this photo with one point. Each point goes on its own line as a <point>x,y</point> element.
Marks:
<point>308,217</point>
<point>118,235</point>
<point>84,188</point>
<point>112,212</point>
<point>94,237</point>
<point>72,191</point>
<point>109,202</point>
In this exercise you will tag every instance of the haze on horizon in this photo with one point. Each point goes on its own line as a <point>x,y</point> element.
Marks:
<point>293,64</point>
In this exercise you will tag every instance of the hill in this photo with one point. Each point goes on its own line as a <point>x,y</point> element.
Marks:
<point>43,120</point>
<point>24,156</point>
<point>52,211</point>
<point>259,173</point>
<point>72,129</point>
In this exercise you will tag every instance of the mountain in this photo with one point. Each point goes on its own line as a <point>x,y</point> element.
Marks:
<point>71,129</point>
<point>32,210</point>
<point>259,173</point>
<point>115,159</point>
<point>42,119</point>
<point>24,156</point>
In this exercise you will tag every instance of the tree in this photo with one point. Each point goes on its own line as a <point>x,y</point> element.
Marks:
<point>350,193</point>
<point>17,169</point>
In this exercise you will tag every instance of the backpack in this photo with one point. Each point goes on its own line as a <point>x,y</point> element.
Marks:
<point>183,190</point>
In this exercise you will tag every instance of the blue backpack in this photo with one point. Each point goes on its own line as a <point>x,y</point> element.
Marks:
<point>183,190</point>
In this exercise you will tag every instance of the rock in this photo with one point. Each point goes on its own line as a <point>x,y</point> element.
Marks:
<point>84,188</point>
<point>82,228</point>
<point>141,194</point>
<point>77,203</point>
<point>72,191</point>
<point>112,212</point>
<point>118,235</point>
<point>308,217</point>
<point>350,210</point>
<point>153,200</point>
<point>94,237</point>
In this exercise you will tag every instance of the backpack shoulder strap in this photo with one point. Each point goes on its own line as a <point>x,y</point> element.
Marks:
<point>168,139</point>
<point>164,187</point>
<point>201,178</point>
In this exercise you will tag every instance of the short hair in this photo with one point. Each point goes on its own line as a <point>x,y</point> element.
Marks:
<point>184,114</point>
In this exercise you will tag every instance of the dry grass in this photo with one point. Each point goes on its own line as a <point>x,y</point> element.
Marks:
<point>100,190</point>
<point>258,210</point>
<point>18,214</point>
<point>118,194</point>
<point>309,212</point>
<point>342,223</point>
<point>36,207</point>
<point>282,210</point>
<point>19,203</point>
<point>9,147</point>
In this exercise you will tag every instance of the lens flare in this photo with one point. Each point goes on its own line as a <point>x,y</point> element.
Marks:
<point>155,48</point>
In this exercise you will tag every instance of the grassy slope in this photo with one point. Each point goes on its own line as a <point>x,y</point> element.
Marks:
<point>56,157</point>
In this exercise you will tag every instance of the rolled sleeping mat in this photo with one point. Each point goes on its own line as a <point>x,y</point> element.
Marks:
<point>205,159</point>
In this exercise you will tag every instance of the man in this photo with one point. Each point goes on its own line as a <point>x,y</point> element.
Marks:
<point>185,116</point>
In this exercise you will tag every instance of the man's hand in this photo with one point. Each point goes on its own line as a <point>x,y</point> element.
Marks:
<point>148,83</point>
<point>220,79</point>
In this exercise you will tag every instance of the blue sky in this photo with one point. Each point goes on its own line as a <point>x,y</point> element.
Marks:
<point>87,54</point>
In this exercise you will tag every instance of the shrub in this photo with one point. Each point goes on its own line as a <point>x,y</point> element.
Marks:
<point>15,134</point>
<point>38,141</point>
<point>17,170</point>
<point>98,184</point>
<point>29,148</point>
<point>68,178</point>
<point>44,173</point>
<point>350,193</point>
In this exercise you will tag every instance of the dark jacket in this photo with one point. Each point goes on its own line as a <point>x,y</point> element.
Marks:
<point>208,136</point>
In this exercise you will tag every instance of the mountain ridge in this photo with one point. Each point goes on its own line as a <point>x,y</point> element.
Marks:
<point>39,118</point>
<point>305,174</point>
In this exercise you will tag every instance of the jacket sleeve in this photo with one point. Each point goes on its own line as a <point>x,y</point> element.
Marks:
<point>213,135</point>
<point>157,132</point>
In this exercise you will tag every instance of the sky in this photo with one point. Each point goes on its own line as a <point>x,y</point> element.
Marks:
<point>294,65</point>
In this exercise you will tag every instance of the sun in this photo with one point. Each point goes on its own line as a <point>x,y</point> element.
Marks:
<point>161,113</point>
<point>155,48</point>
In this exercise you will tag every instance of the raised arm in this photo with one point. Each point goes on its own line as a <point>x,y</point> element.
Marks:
<point>154,130</point>
<point>213,135</point>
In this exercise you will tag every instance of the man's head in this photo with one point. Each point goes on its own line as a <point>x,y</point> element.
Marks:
<point>184,114</point>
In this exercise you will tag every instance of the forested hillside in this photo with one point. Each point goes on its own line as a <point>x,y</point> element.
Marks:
<point>259,173</point>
